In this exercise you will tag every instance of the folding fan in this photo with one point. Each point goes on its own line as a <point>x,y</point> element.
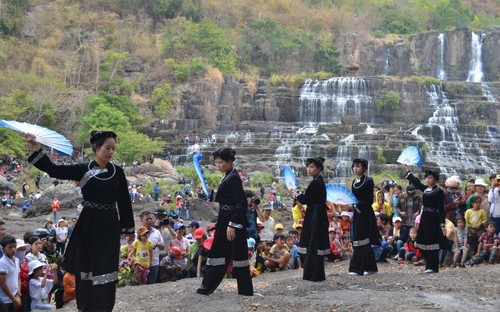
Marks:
<point>43,135</point>
<point>289,177</point>
<point>411,156</point>
<point>339,194</point>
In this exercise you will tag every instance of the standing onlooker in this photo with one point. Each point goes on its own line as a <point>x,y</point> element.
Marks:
<point>475,218</point>
<point>408,206</point>
<point>460,243</point>
<point>10,286</point>
<point>156,191</point>
<point>267,233</point>
<point>72,227</point>
<point>494,199</point>
<point>25,187</point>
<point>37,182</point>
<point>157,239</point>
<point>142,253</point>
<point>61,236</point>
<point>182,243</point>
<point>56,207</point>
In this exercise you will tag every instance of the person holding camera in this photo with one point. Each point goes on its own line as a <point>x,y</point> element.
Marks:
<point>230,240</point>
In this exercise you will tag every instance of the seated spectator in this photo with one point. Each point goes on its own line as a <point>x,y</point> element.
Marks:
<point>346,247</point>
<point>278,228</point>
<point>252,257</point>
<point>335,224</point>
<point>460,246</point>
<point>334,256</point>
<point>488,246</point>
<point>278,256</point>
<point>294,262</point>
<point>382,206</point>
<point>39,285</point>
<point>382,251</point>
<point>398,235</point>
<point>410,252</point>
<point>69,286</point>
<point>345,222</point>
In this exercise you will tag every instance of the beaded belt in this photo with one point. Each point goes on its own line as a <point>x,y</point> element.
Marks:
<point>360,243</point>
<point>226,207</point>
<point>87,204</point>
<point>428,209</point>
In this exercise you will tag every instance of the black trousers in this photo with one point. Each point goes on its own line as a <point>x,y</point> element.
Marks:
<point>219,257</point>
<point>432,259</point>
<point>363,260</point>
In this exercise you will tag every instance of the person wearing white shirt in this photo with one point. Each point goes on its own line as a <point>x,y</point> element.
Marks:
<point>267,232</point>
<point>156,238</point>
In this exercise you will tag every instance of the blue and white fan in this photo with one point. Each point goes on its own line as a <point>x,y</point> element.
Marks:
<point>411,156</point>
<point>339,194</point>
<point>289,177</point>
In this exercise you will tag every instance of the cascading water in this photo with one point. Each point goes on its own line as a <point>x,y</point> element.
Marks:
<point>386,64</point>
<point>476,62</point>
<point>327,101</point>
<point>447,148</point>
<point>441,74</point>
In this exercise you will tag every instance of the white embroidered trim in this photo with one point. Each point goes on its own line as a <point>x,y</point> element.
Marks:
<point>323,252</point>
<point>235,225</point>
<point>216,261</point>
<point>302,250</point>
<point>128,230</point>
<point>37,157</point>
<point>427,247</point>
<point>240,264</point>
<point>360,243</point>
<point>100,279</point>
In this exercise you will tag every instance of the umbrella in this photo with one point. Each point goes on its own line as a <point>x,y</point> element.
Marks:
<point>43,135</point>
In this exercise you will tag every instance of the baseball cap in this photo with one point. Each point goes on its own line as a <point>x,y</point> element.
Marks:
<point>178,226</point>
<point>142,230</point>
<point>396,219</point>
<point>194,224</point>
<point>345,214</point>
<point>279,226</point>
<point>410,189</point>
<point>199,233</point>
<point>331,230</point>
<point>250,242</point>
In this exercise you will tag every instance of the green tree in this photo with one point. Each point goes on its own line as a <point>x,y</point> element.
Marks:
<point>12,14</point>
<point>11,143</point>
<point>326,55</point>
<point>120,102</point>
<point>104,117</point>
<point>162,99</point>
<point>132,145</point>
<point>450,14</point>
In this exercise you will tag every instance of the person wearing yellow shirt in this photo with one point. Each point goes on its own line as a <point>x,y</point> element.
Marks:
<point>474,221</point>
<point>381,206</point>
<point>298,212</point>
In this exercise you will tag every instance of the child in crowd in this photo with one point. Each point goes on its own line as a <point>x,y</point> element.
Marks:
<point>294,261</point>
<point>410,252</point>
<point>142,253</point>
<point>335,223</point>
<point>295,235</point>
<point>10,288</point>
<point>278,256</point>
<point>346,247</point>
<point>345,223</point>
<point>461,249</point>
<point>252,256</point>
<point>39,285</point>
<point>488,246</point>
<point>474,221</point>
<point>69,286</point>
<point>127,246</point>
<point>202,256</point>
<point>278,228</point>
<point>334,256</point>
<point>183,244</point>
<point>382,251</point>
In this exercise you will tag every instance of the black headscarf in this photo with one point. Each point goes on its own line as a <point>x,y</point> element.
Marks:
<point>99,135</point>
<point>225,153</point>
<point>318,161</point>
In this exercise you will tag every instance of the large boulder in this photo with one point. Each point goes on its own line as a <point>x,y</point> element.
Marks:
<point>7,185</point>
<point>67,194</point>
<point>160,169</point>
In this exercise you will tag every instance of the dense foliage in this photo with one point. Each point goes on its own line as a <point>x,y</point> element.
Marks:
<point>73,65</point>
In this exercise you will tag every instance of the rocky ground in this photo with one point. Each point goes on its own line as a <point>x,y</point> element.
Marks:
<point>395,288</point>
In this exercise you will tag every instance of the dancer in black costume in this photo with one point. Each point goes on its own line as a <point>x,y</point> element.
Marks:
<point>314,242</point>
<point>230,241</point>
<point>365,232</point>
<point>431,233</point>
<point>93,251</point>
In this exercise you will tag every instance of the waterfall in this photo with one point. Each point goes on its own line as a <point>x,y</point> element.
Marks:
<point>450,151</point>
<point>441,74</point>
<point>487,93</point>
<point>476,62</point>
<point>386,64</point>
<point>327,101</point>
<point>370,130</point>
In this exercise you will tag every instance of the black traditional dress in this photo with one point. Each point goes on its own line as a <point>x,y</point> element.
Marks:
<point>93,251</point>
<point>314,241</point>
<point>232,212</point>
<point>365,232</point>
<point>430,236</point>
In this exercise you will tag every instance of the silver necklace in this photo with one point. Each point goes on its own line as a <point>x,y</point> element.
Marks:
<point>225,176</point>
<point>96,171</point>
